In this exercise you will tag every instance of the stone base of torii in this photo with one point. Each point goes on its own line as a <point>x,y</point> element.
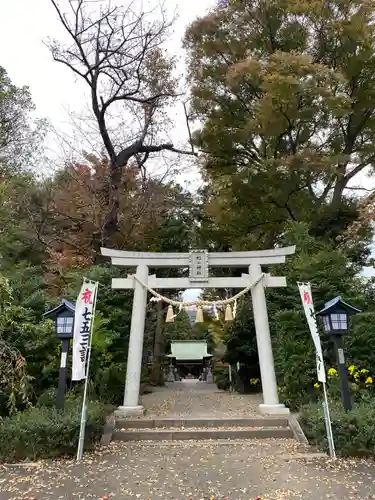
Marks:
<point>199,262</point>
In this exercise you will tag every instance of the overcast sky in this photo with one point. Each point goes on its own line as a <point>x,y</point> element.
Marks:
<point>25,24</point>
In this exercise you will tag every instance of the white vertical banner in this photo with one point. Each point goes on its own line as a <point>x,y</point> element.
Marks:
<point>83,323</point>
<point>308,306</point>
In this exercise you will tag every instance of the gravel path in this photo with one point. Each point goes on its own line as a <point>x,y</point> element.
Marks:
<point>200,470</point>
<point>237,470</point>
<point>190,398</point>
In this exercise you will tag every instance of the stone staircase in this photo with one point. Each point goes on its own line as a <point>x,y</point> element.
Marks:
<point>178,429</point>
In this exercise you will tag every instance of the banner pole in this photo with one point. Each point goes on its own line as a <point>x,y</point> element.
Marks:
<point>81,440</point>
<point>327,418</point>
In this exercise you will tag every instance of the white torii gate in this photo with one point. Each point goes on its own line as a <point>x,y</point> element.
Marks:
<point>199,262</point>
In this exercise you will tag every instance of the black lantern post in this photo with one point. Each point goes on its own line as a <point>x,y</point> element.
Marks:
<point>63,315</point>
<point>335,315</point>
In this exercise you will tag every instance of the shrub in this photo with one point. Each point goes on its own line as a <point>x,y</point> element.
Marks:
<point>47,398</point>
<point>221,377</point>
<point>361,335</point>
<point>109,383</point>
<point>353,431</point>
<point>360,384</point>
<point>43,432</point>
<point>294,359</point>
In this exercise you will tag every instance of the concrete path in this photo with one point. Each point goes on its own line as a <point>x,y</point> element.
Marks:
<point>191,398</point>
<point>237,470</point>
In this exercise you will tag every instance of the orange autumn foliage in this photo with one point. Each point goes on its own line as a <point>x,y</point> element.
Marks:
<point>79,204</point>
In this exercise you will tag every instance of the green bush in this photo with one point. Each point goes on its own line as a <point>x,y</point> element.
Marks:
<point>353,431</point>
<point>43,432</point>
<point>47,398</point>
<point>361,335</point>
<point>109,383</point>
<point>294,359</point>
<point>221,377</point>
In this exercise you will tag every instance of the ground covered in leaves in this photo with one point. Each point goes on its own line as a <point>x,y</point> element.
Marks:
<point>232,470</point>
<point>192,399</point>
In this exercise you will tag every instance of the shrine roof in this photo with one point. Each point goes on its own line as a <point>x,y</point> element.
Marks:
<point>189,350</point>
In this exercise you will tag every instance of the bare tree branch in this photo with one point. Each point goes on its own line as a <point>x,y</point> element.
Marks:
<point>119,53</point>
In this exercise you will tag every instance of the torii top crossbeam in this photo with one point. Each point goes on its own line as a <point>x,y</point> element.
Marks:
<point>213,259</point>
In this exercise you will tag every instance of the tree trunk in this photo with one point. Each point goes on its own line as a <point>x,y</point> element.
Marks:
<point>113,198</point>
<point>158,332</point>
<point>157,375</point>
<point>338,189</point>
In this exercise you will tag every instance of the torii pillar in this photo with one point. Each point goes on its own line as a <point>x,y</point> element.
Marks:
<point>198,262</point>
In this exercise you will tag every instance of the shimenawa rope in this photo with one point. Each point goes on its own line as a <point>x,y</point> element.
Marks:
<point>199,303</point>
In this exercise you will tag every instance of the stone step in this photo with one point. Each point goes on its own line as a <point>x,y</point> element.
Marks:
<point>201,434</point>
<point>200,422</point>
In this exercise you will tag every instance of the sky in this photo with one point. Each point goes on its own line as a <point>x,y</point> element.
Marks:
<point>55,90</point>
<point>29,62</point>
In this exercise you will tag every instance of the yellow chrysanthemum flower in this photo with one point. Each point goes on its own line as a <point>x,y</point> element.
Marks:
<point>352,369</point>
<point>316,385</point>
<point>332,372</point>
<point>364,371</point>
<point>369,380</point>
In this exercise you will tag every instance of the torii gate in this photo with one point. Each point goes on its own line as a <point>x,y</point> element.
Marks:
<point>199,262</point>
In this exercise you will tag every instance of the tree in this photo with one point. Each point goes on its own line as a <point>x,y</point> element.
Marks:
<point>180,329</point>
<point>20,137</point>
<point>119,54</point>
<point>67,214</point>
<point>284,90</point>
<point>240,340</point>
<point>28,353</point>
<point>19,196</point>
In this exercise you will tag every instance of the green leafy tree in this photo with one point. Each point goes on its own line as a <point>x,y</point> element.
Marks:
<point>28,353</point>
<point>240,340</point>
<point>20,137</point>
<point>180,329</point>
<point>285,94</point>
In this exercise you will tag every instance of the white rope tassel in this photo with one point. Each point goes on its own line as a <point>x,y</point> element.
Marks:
<point>228,313</point>
<point>199,315</point>
<point>170,316</point>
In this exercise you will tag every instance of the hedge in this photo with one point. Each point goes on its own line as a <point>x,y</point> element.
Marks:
<point>44,432</point>
<point>353,431</point>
